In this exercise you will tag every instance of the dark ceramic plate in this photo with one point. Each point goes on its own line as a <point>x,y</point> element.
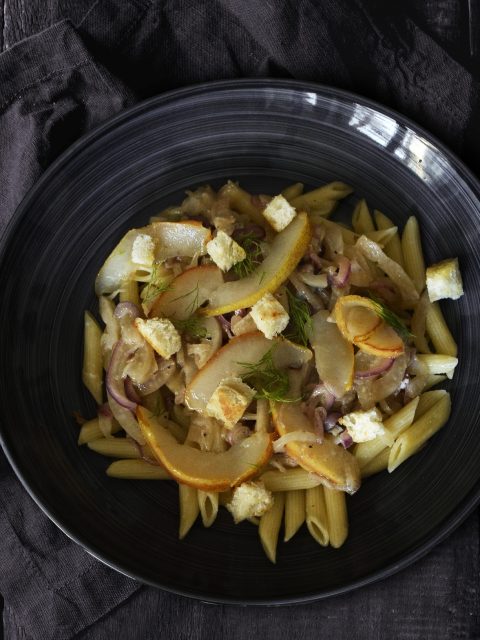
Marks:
<point>265,134</point>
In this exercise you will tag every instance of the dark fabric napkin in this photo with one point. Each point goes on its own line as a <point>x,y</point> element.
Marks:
<point>58,84</point>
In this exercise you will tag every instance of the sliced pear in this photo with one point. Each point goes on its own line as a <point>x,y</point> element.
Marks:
<point>227,363</point>
<point>384,342</point>
<point>187,292</point>
<point>334,357</point>
<point>205,470</point>
<point>356,317</point>
<point>336,466</point>
<point>171,239</point>
<point>285,253</point>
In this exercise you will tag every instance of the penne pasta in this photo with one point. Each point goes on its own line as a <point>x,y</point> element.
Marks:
<point>323,200</point>
<point>365,452</point>
<point>137,470</point>
<point>293,191</point>
<point>362,221</point>
<point>129,292</point>
<point>427,400</point>
<point>189,509</point>
<point>439,332</point>
<point>289,480</point>
<point>421,430</point>
<point>294,512</point>
<point>413,253</point>
<point>89,431</point>
<point>269,526</point>
<point>348,236</point>
<point>115,447</point>
<point>208,505</point>
<point>419,324</point>
<point>439,363</point>
<point>392,248</point>
<point>316,514</point>
<point>262,422</point>
<point>92,373</point>
<point>382,236</point>
<point>377,464</point>
<point>336,506</point>
<point>241,201</point>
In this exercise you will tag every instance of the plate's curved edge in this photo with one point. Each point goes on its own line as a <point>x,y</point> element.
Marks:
<point>450,523</point>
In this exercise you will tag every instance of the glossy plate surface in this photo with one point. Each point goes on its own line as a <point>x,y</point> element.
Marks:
<point>265,134</point>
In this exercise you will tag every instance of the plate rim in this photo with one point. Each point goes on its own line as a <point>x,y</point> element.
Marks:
<point>451,522</point>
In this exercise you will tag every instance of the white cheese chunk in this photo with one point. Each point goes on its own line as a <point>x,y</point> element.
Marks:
<point>279,213</point>
<point>160,334</point>
<point>363,425</point>
<point>444,280</point>
<point>250,500</point>
<point>224,251</point>
<point>229,401</point>
<point>269,316</point>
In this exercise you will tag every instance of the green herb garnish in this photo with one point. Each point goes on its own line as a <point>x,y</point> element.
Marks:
<point>300,325</point>
<point>253,250</point>
<point>271,383</point>
<point>193,326</point>
<point>155,286</point>
<point>391,318</point>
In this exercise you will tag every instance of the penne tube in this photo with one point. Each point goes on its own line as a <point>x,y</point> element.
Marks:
<point>269,526</point>
<point>189,509</point>
<point>290,479</point>
<point>208,505</point>
<point>262,422</point>
<point>336,506</point>
<point>377,464</point>
<point>129,292</point>
<point>421,430</point>
<point>348,236</point>
<point>382,236</point>
<point>137,470</point>
<point>362,221</point>
<point>115,447</point>
<point>322,200</point>
<point>439,332</point>
<point>365,452</point>
<point>427,400</point>
<point>293,191</point>
<point>92,373</point>
<point>294,512</point>
<point>439,363</point>
<point>316,514</point>
<point>432,380</point>
<point>89,431</point>
<point>393,248</point>
<point>413,253</point>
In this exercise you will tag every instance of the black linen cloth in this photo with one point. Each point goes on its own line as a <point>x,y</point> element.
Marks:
<point>58,84</point>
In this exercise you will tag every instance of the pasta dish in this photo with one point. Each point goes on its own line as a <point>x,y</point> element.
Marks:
<point>268,358</point>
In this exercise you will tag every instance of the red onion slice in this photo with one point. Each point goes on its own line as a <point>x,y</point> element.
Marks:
<point>345,439</point>
<point>340,278</point>
<point>130,391</point>
<point>115,382</point>
<point>225,326</point>
<point>319,416</point>
<point>126,420</point>
<point>381,367</point>
<point>126,310</point>
<point>166,369</point>
<point>331,420</point>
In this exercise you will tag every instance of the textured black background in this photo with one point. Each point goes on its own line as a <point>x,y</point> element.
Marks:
<point>438,597</point>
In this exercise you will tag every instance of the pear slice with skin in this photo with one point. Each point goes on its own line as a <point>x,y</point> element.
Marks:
<point>334,357</point>
<point>171,239</point>
<point>227,363</point>
<point>187,292</point>
<point>205,470</point>
<point>285,253</point>
<point>337,467</point>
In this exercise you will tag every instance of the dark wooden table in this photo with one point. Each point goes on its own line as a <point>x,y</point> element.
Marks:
<point>423,602</point>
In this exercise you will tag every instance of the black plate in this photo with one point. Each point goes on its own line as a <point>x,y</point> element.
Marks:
<point>266,134</point>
